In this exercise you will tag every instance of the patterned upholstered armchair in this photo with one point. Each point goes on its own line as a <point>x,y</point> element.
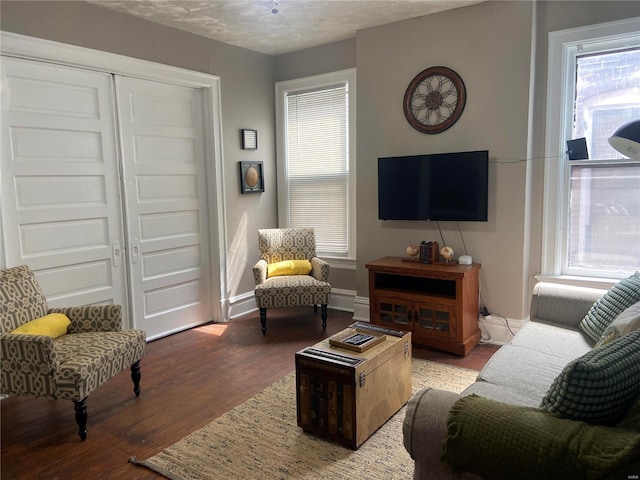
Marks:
<point>72,365</point>
<point>288,244</point>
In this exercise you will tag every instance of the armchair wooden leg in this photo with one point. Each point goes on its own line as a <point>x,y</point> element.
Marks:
<point>135,377</point>
<point>81,417</point>
<point>323,314</point>
<point>263,320</point>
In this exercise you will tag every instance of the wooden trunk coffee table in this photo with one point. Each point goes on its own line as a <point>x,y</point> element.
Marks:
<point>350,384</point>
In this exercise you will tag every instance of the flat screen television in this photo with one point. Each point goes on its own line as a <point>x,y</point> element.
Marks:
<point>442,186</point>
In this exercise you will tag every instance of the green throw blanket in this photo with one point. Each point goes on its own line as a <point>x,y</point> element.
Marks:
<point>500,441</point>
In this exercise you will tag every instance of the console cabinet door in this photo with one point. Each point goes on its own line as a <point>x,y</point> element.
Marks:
<point>394,312</point>
<point>424,319</point>
<point>434,320</point>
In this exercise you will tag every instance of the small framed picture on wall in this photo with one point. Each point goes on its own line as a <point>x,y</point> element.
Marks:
<point>249,139</point>
<point>251,178</point>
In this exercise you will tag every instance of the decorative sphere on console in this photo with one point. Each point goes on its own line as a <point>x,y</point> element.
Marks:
<point>413,250</point>
<point>446,253</point>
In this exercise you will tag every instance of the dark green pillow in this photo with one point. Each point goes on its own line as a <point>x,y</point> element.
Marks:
<point>600,386</point>
<point>619,297</point>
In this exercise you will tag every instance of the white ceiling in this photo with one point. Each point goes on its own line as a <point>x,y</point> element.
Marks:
<point>299,24</point>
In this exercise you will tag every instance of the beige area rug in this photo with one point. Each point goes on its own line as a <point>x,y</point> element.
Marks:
<point>260,439</point>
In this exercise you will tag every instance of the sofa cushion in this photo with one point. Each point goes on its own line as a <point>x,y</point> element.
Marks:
<point>617,299</point>
<point>500,393</point>
<point>600,386</point>
<point>53,325</point>
<point>553,340</point>
<point>523,371</point>
<point>564,305</point>
<point>87,360</point>
<point>626,322</point>
<point>292,290</point>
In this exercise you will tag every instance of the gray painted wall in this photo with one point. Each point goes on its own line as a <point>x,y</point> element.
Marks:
<point>490,45</point>
<point>315,61</point>
<point>500,50</point>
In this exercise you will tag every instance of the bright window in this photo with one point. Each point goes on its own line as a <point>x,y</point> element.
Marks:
<point>592,210</point>
<point>316,156</point>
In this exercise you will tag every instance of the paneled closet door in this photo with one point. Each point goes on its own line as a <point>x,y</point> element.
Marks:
<point>61,210</point>
<point>161,134</point>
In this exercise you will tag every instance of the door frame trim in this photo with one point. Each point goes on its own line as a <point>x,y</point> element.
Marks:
<point>32,48</point>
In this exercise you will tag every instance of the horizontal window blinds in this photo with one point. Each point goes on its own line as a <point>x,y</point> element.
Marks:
<point>318,166</point>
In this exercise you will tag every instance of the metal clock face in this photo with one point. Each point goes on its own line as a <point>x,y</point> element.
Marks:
<point>434,100</point>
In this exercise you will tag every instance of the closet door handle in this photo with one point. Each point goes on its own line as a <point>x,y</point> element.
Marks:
<point>116,254</point>
<point>135,250</point>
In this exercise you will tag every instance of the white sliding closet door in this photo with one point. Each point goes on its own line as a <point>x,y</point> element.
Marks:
<point>61,209</point>
<point>98,223</point>
<point>161,133</point>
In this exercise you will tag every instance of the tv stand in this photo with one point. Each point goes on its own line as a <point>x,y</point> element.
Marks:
<point>437,303</point>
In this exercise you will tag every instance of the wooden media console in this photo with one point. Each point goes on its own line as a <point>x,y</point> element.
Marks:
<point>437,303</point>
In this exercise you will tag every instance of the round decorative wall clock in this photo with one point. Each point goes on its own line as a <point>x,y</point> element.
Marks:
<point>434,100</point>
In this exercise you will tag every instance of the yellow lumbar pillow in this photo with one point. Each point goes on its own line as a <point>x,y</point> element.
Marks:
<point>52,325</point>
<point>289,267</point>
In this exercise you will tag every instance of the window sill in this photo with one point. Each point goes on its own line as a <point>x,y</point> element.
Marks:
<point>339,262</point>
<point>591,282</point>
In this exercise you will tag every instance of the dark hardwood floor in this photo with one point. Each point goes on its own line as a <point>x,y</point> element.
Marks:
<point>188,379</point>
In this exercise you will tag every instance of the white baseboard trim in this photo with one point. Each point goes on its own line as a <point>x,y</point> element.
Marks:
<point>361,309</point>
<point>239,305</point>
<point>342,299</point>
<point>494,328</point>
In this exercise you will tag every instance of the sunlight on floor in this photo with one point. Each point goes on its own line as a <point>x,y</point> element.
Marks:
<point>216,329</point>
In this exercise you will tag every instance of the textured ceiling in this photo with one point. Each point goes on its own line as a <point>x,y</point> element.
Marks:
<point>298,24</point>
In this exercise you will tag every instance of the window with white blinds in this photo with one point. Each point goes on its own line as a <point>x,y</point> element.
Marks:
<point>315,183</point>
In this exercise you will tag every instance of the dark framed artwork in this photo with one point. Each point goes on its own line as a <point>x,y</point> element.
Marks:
<point>251,178</point>
<point>249,139</point>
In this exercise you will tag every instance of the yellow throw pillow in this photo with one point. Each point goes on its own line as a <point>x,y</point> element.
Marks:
<point>52,325</point>
<point>289,267</point>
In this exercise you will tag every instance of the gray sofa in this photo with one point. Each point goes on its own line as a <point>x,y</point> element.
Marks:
<point>519,374</point>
